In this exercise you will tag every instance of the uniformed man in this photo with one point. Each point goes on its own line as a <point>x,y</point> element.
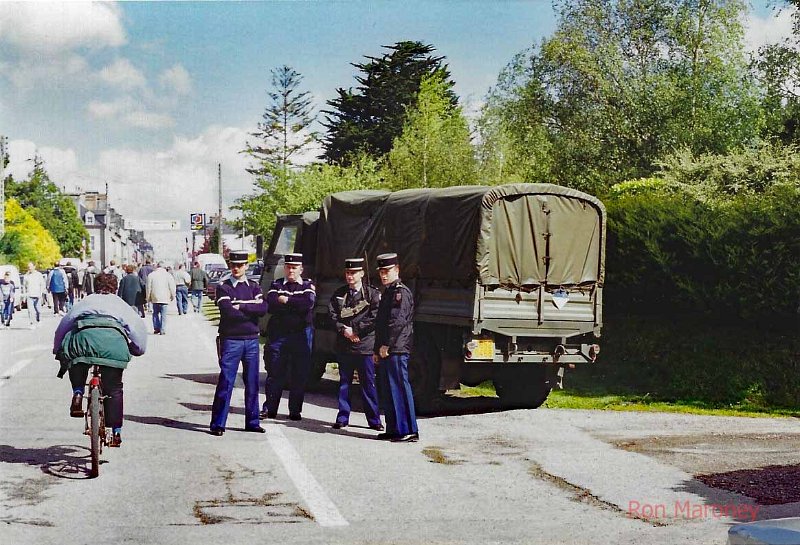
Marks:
<point>394,332</point>
<point>291,304</point>
<point>353,308</point>
<point>240,305</point>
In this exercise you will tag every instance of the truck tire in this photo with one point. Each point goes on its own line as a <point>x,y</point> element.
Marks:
<point>522,389</point>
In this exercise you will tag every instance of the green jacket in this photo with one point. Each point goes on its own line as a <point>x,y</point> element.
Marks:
<point>94,340</point>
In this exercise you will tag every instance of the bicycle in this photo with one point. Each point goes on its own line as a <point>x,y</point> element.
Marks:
<point>95,420</point>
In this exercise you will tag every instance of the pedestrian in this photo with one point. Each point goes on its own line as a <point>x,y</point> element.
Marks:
<point>101,329</point>
<point>57,284</point>
<point>353,309</point>
<point>160,292</point>
<point>7,295</point>
<point>199,282</point>
<point>290,301</point>
<point>115,270</point>
<point>89,276</point>
<point>182,282</point>
<point>130,288</point>
<point>73,289</point>
<point>394,332</point>
<point>34,288</point>
<point>144,272</point>
<point>241,304</point>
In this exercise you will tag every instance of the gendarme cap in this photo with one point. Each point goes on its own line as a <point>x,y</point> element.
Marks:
<point>387,260</point>
<point>293,259</point>
<point>354,264</point>
<point>237,257</point>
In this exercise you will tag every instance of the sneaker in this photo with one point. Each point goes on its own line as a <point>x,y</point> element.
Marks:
<point>116,440</point>
<point>76,407</point>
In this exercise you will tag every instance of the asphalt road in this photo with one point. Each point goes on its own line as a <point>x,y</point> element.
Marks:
<point>478,475</point>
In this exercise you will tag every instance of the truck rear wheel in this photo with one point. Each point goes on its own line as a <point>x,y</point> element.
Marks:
<point>522,388</point>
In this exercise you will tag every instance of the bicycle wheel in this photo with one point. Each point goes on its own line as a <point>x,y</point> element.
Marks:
<point>94,428</point>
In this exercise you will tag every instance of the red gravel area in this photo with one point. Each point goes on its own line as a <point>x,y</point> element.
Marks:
<point>770,485</point>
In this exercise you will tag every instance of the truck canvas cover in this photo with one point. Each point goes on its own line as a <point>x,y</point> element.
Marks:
<point>522,235</point>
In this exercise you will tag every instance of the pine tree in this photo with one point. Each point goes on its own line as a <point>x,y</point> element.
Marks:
<point>369,118</point>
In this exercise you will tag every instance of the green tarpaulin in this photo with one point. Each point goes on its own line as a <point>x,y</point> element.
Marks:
<point>517,234</point>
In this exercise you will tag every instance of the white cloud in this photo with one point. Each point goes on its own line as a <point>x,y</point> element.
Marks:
<point>772,29</point>
<point>60,164</point>
<point>177,79</point>
<point>148,120</point>
<point>154,184</point>
<point>110,110</point>
<point>123,74</point>
<point>52,27</point>
<point>58,71</point>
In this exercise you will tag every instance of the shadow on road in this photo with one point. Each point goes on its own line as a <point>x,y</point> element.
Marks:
<point>58,460</point>
<point>168,422</point>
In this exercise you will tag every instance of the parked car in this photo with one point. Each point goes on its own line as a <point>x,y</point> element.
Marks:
<point>254,271</point>
<point>216,274</point>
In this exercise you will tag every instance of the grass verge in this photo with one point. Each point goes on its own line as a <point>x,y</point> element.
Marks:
<point>603,401</point>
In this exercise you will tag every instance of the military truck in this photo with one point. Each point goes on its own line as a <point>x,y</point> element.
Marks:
<point>507,280</point>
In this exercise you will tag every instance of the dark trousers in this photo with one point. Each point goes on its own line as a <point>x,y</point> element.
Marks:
<point>231,352</point>
<point>59,302</point>
<point>111,378</point>
<point>401,418</point>
<point>288,358</point>
<point>348,363</point>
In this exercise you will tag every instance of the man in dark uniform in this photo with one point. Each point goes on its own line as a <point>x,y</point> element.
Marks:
<point>291,304</point>
<point>353,308</point>
<point>394,332</point>
<point>240,304</point>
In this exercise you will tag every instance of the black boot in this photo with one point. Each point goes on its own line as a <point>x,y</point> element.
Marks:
<point>76,407</point>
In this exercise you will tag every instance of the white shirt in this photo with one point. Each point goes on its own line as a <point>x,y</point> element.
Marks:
<point>34,283</point>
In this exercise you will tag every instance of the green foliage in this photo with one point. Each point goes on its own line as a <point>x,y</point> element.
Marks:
<point>302,191</point>
<point>284,129</point>
<point>620,84</point>
<point>434,149</point>
<point>369,118</point>
<point>674,251</point>
<point>52,209</point>
<point>25,239</point>
<point>691,358</point>
<point>748,171</point>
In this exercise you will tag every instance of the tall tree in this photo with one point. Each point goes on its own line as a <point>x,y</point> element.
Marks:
<point>434,149</point>
<point>284,131</point>
<point>369,118</point>
<point>40,197</point>
<point>623,82</point>
<point>778,66</point>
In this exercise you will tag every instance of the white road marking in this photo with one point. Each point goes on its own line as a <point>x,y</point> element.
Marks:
<point>5,375</point>
<point>33,348</point>
<point>321,507</point>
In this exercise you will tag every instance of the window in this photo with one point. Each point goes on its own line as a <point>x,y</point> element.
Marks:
<point>286,240</point>
<point>91,242</point>
<point>89,218</point>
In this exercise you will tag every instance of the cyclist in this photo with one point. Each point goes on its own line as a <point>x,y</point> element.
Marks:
<point>104,330</point>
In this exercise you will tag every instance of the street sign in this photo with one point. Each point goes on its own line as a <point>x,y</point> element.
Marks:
<point>153,225</point>
<point>197,222</point>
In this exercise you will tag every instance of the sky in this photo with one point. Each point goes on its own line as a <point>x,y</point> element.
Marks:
<point>149,97</point>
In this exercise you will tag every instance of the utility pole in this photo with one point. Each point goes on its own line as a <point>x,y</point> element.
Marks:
<point>2,185</point>
<point>219,178</point>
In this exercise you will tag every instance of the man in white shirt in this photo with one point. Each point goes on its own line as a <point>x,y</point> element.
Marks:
<point>34,285</point>
<point>160,292</point>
